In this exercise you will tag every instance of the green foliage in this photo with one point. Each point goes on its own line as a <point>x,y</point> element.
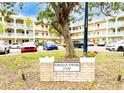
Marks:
<point>47,15</point>
<point>62,45</point>
<point>53,30</point>
<point>28,21</point>
<point>2,27</point>
<point>40,43</point>
<point>90,54</point>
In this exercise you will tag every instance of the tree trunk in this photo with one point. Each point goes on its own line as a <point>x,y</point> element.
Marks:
<point>70,51</point>
<point>64,31</point>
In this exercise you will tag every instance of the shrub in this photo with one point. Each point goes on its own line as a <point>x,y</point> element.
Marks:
<point>91,54</point>
<point>62,45</point>
<point>40,43</point>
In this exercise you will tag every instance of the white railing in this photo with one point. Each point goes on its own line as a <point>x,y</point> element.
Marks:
<point>10,24</point>
<point>45,36</point>
<point>120,24</point>
<point>111,25</point>
<point>100,27</point>
<point>40,28</point>
<point>7,35</point>
<point>20,26</point>
<point>74,31</point>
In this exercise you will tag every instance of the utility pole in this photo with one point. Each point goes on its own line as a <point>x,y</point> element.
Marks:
<point>85,48</point>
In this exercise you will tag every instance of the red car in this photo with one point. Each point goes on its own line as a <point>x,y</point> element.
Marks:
<point>28,47</point>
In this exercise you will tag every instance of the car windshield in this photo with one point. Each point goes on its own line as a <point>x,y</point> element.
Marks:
<point>120,42</point>
<point>51,43</point>
<point>28,44</point>
<point>15,43</point>
<point>1,42</point>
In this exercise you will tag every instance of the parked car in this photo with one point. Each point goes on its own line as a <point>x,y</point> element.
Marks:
<point>28,47</point>
<point>15,45</point>
<point>90,43</point>
<point>50,46</point>
<point>101,43</point>
<point>116,46</point>
<point>4,47</point>
<point>78,44</point>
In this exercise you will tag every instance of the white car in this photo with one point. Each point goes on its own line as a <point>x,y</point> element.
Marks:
<point>4,48</point>
<point>15,45</point>
<point>116,46</point>
<point>101,43</point>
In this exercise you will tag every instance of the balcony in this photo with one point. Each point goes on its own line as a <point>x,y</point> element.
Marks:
<point>7,35</point>
<point>20,26</point>
<point>120,24</point>
<point>11,25</point>
<point>20,35</point>
<point>75,31</point>
<point>45,36</point>
<point>42,28</point>
<point>116,34</point>
<point>100,27</point>
<point>111,25</point>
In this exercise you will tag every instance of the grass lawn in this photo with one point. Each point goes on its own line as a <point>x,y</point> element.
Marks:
<point>108,66</point>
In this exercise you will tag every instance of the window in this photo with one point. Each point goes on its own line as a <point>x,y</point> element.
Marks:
<point>98,25</point>
<point>22,32</point>
<point>118,30</point>
<point>113,30</point>
<point>46,26</point>
<point>73,28</point>
<point>27,32</point>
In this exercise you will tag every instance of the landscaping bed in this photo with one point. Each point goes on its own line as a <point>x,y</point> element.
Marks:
<point>108,66</point>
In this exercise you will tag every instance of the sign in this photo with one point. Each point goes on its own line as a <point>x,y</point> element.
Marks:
<point>67,67</point>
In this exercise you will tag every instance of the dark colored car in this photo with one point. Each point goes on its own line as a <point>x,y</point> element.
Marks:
<point>50,46</point>
<point>28,47</point>
<point>78,44</point>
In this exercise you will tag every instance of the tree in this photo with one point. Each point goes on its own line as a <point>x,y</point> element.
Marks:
<point>59,16</point>
<point>2,28</point>
<point>28,22</point>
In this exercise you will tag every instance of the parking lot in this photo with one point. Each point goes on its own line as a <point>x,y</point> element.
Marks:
<point>40,49</point>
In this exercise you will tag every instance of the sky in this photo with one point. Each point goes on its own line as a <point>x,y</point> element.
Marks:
<point>30,9</point>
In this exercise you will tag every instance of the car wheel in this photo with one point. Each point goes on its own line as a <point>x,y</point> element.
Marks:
<point>8,51</point>
<point>5,51</point>
<point>45,48</point>
<point>18,47</point>
<point>120,48</point>
<point>81,46</point>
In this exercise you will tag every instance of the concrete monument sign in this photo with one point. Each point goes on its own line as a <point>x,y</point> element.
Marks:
<point>84,70</point>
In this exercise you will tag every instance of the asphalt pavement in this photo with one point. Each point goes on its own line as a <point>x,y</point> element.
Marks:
<point>90,48</point>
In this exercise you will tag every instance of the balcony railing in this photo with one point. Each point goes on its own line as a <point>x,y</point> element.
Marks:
<point>20,26</point>
<point>120,24</point>
<point>45,36</point>
<point>10,24</point>
<point>111,25</point>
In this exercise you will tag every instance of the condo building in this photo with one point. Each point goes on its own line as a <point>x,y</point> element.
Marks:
<point>104,30</point>
<point>18,31</point>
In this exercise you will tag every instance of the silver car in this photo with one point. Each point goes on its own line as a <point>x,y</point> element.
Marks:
<point>15,45</point>
<point>4,47</point>
<point>116,46</point>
